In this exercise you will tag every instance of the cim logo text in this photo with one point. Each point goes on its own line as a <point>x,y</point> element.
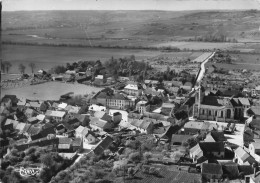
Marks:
<point>28,172</point>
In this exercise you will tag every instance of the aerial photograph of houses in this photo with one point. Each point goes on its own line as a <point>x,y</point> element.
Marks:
<point>130,91</point>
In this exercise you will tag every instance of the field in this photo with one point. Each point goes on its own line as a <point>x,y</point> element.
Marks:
<point>198,45</point>
<point>126,28</point>
<point>241,61</point>
<point>46,57</point>
<point>49,91</point>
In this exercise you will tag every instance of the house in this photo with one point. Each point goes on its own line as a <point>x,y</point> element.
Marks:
<point>29,113</point>
<point>211,172</point>
<point>100,125</point>
<point>45,131</point>
<point>231,171</point>
<point>167,109</point>
<point>173,90</point>
<point>242,157</point>
<point>32,120</point>
<point>103,145</point>
<point>193,127</point>
<point>83,119</point>
<point>7,125</point>
<point>113,100</point>
<point>99,80</point>
<point>254,111</point>
<point>245,103</point>
<point>32,130</point>
<point>123,79</point>
<point>216,108</point>
<point>77,144</point>
<point>81,131</point>
<point>215,136</point>
<point>153,92</point>
<point>254,149</point>
<point>10,124</point>
<point>62,106</point>
<point>143,126</point>
<point>57,115</point>
<point>90,138</point>
<point>142,106</point>
<point>20,127</point>
<point>179,139</point>
<point>38,106</point>
<point>196,154</point>
<point>133,89</point>
<point>94,107</point>
<point>72,109</point>
<point>177,83</point>
<point>65,144</point>
<point>187,86</point>
<point>103,116</point>
<point>213,149</point>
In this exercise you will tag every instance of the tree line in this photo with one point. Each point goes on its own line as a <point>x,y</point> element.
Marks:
<point>6,66</point>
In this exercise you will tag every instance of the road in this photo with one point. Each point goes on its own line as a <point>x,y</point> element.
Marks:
<point>202,71</point>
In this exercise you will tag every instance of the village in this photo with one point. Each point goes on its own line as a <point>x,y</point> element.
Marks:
<point>196,123</point>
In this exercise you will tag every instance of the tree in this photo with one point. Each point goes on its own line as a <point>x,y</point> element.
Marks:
<point>7,66</point>
<point>59,69</point>
<point>32,66</point>
<point>21,68</point>
<point>135,157</point>
<point>47,160</point>
<point>45,175</point>
<point>3,67</point>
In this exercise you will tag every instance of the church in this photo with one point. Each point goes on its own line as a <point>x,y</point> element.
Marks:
<point>217,108</point>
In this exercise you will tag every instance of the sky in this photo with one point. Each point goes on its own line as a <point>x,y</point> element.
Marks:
<point>172,5</point>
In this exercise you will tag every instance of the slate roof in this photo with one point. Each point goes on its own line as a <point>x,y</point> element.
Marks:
<point>246,169</point>
<point>211,100</point>
<point>180,138</point>
<point>65,140</point>
<point>256,145</point>
<point>196,125</point>
<point>231,170</point>
<point>244,156</point>
<point>33,130</point>
<point>35,104</point>
<point>255,110</point>
<point>10,121</point>
<point>79,129</point>
<point>244,101</point>
<point>55,113</point>
<point>229,93</point>
<point>20,126</point>
<point>218,136</point>
<point>76,142</point>
<point>211,168</point>
<point>212,146</point>
<point>97,122</point>
<point>103,145</point>
<point>26,128</point>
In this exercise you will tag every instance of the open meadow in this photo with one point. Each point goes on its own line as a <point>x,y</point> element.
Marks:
<point>46,57</point>
<point>126,28</point>
<point>49,90</point>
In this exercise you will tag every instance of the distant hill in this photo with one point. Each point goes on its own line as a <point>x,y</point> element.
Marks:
<point>155,25</point>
